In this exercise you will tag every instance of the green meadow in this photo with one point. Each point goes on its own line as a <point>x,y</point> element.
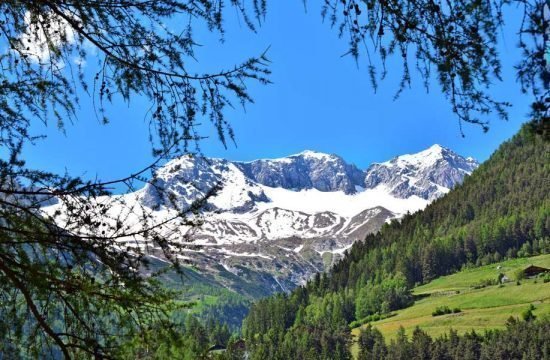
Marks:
<point>482,307</point>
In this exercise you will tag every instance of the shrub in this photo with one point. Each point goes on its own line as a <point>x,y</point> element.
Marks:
<point>442,310</point>
<point>487,282</point>
<point>370,318</point>
<point>528,315</point>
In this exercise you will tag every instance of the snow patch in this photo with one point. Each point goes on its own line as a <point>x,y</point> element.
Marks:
<point>312,201</point>
<point>244,254</point>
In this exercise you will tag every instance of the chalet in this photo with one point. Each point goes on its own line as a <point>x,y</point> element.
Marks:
<point>533,270</point>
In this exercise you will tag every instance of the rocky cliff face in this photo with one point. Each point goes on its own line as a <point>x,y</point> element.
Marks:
<point>307,170</point>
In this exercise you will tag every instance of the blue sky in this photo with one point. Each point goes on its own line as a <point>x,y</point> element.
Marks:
<point>318,100</point>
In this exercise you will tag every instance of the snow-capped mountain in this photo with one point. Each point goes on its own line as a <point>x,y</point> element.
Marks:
<point>276,222</point>
<point>427,174</point>
<point>310,182</point>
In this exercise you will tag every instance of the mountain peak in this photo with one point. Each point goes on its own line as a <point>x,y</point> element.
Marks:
<point>312,154</point>
<point>427,174</point>
<point>434,152</point>
<point>430,157</point>
<point>437,149</point>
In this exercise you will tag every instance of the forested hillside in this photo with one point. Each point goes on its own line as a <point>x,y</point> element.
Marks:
<point>501,211</point>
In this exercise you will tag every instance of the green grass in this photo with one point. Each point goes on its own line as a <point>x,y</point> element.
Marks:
<point>465,278</point>
<point>201,302</point>
<point>485,308</point>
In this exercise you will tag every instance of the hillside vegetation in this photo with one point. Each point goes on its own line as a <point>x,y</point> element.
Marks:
<point>502,211</point>
<point>483,302</point>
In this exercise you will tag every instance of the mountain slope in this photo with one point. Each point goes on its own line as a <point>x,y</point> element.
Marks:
<point>503,204</point>
<point>307,170</point>
<point>500,211</point>
<point>289,218</point>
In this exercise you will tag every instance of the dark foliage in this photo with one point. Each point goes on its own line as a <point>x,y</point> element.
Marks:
<point>520,340</point>
<point>71,280</point>
<point>453,41</point>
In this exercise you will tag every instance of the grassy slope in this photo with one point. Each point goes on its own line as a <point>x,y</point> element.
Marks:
<point>484,308</point>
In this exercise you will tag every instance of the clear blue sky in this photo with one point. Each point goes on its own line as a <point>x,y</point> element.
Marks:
<point>318,100</point>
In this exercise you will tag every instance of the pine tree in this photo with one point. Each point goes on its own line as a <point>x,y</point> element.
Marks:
<point>68,286</point>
